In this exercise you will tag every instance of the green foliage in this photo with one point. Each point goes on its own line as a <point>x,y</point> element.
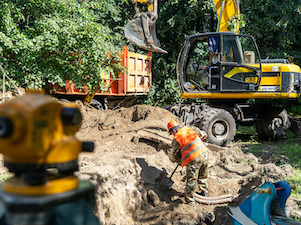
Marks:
<point>275,25</point>
<point>183,17</point>
<point>56,40</point>
<point>168,92</point>
<point>236,22</point>
<point>295,110</point>
<point>288,147</point>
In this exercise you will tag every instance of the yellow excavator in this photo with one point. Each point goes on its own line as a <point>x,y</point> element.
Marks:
<point>225,69</point>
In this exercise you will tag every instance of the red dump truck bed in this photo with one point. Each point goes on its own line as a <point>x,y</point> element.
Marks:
<point>135,81</point>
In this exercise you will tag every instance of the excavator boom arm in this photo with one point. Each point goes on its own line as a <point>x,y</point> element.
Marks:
<point>151,4</point>
<point>225,10</point>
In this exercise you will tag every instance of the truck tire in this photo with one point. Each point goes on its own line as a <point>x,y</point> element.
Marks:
<point>274,127</point>
<point>219,125</point>
<point>183,114</point>
<point>187,115</point>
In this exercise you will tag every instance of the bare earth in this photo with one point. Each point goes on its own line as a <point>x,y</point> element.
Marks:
<point>131,159</point>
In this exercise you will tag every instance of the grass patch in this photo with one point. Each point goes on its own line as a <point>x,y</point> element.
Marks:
<point>287,149</point>
<point>296,179</point>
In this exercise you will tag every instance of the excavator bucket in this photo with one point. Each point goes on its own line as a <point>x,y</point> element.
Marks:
<point>142,32</point>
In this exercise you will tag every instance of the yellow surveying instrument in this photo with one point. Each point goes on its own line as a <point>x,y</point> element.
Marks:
<point>39,148</point>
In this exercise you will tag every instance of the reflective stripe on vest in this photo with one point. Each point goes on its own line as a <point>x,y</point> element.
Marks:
<point>191,145</point>
<point>199,146</point>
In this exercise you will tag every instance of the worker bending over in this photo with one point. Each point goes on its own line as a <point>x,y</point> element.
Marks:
<point>190,151</point>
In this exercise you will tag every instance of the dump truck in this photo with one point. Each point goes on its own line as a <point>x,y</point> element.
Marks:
<point>136,80</point>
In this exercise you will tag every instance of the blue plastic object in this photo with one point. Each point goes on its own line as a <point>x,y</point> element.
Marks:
<point>266,206</point>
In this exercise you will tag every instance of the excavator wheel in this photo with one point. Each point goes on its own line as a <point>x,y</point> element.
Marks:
<point>189,114</point>
<point>274,127</point>
<point>219,125</point>
<point>186,116</point>
<point>174,109</point>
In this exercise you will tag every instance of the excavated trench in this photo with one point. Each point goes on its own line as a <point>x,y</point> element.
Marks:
<point>131,159</point>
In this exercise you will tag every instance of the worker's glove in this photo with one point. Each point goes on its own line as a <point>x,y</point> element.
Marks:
<point>203,135</point>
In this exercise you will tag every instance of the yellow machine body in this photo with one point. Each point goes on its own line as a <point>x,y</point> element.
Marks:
<point>239,73</point>
<point>15,185</point>
<point>273,83</point>
<point>147,2</point>
<point>34,138</point>
<point>38,134</point>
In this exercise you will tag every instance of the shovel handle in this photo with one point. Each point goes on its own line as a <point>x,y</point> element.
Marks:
<point>174,171</point>
<point>169,179</point>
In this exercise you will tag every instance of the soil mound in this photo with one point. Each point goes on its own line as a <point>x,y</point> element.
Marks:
<point>131,158</point>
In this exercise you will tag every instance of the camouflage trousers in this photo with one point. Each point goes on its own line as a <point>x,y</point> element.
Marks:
<point>196,175</point>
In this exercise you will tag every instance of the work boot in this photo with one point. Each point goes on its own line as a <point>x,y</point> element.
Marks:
<point>189,199</point>
<point>191,202</point>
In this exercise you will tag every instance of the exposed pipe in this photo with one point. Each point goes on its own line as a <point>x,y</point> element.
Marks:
<point>213,200</point>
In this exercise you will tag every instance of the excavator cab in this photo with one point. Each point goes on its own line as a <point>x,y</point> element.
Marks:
<point>141,30</point>
<point>232,63</point>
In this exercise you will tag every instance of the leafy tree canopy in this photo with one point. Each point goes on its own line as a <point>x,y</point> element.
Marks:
<point>58,40</point>
<point>276,26</point>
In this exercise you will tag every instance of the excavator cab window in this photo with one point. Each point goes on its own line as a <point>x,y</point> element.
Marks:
<point>203,53</point>
<point>219,62</point>
<point>232,50</point>
<point>240,70</point>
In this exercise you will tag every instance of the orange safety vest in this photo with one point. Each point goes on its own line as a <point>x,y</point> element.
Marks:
<point>191,145</point>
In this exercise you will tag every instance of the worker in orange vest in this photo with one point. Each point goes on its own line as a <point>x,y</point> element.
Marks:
<point>190,151</point>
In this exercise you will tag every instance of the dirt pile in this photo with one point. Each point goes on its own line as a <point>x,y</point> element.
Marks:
<point>131,157</point>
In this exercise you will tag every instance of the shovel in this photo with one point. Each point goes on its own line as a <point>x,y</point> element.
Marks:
<point>169,182</point>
